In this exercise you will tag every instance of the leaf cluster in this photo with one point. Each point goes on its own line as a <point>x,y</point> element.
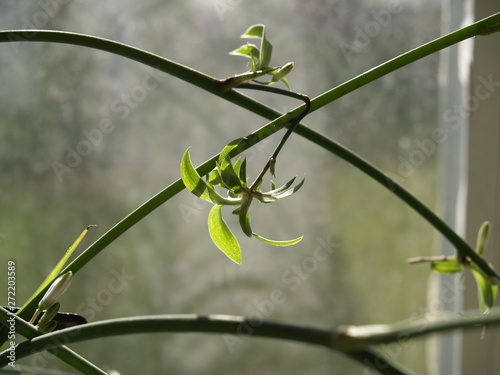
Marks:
<point>261,58</point>
<point>233,178</point>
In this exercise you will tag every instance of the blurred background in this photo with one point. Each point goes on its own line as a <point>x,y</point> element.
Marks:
<point>56,178</point>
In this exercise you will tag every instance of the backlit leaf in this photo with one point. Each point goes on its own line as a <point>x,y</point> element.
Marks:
<point>447,266</point>
<point>227,149</point>
<point>198,186</point>
<point>244,215</point>
<point>222,236</point>
<point>278,243</point>
<point>487,292</point>
<point>254,31</point>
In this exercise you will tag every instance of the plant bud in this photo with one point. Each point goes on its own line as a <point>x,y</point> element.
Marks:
<point>55,291</point>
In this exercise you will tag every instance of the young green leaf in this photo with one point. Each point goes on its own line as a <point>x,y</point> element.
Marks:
<point>487,292</point>
<point>244,215</point>
<point>59,266</point>
<point>242,172</point>
<point>229,176</point>
<point>447,266</point>
<point>227,149</point>
<point>285,81</point>
<point>482,237</point>
<point>251,51</point>
<point>266,51</point>
<point>289,192</point>
<point>198,186</point>
<point>222,236</point>
<point>278,243</point>
<point>254,31</point>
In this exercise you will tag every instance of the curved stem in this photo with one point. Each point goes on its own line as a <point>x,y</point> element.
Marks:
<point>360,337</point>
<point>217,88</point>
<point>354,341</point>
<point>64,353</point>
<point>222,324</point>
<point>482,27</point>
<point>461,246</point>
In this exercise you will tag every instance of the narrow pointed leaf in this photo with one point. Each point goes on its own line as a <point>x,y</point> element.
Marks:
<point>237,166</point>
<point>214,178</point>
<point>57,269</point>
<point>244,215</point>
<point>198,186</point>
<point>278,243</point>
<point>285,81</point>
<point>487,292</point>
<point>227,149</point>
<point>229,176</point>
<point>265,198</point>
<point>248,50</point>
<point>222,236</point>
<point>266,51</point>
<point>243,172</point>
<point>289,192</point>
<point>281,188</point>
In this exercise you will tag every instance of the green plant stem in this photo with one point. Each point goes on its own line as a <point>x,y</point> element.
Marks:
<point>355,341</point>
<point>357,337</point>
<point>65,354</point>
<point>221,324</point>
<point>461,246</point>
<point>483,27</point>
<point>290,124</point>
<point>216,87</point>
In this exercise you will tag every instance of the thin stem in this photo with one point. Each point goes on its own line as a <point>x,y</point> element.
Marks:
<point>438,258</point>
<point>290,124</point>
<point>216,87</point>
<point>483,27</point>
<point>64,353</point>
<point>461,246</point>
<point>355,341</point>
<point>221,324</point>
<point>356,337</point>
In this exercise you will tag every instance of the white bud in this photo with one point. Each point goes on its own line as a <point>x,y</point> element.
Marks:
<point>55,291</point>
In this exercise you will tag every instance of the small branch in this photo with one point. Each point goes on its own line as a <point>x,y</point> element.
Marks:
<point>359,337</point>
<point>290,124</point>
<point>417,260</point>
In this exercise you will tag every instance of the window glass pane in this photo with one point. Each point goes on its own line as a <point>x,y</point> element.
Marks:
<point>86,137</point>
